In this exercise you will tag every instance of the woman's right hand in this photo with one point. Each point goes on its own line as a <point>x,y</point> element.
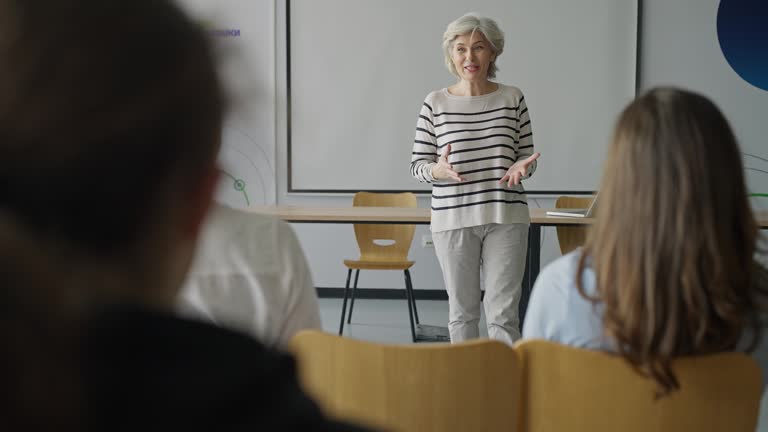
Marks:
<point>444,170</point>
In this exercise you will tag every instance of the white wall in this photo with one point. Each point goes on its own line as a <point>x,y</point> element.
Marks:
<point>674,51</point>
<point>327,245</point>
<point>245,42</point>
<point>680,47</point>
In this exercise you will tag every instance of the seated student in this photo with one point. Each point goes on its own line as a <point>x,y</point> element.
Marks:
<point>669,266</point>
<point>110,118</point>
<point>250,274</point>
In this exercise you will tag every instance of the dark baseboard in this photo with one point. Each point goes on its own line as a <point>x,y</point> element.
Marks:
<point>383,293</point>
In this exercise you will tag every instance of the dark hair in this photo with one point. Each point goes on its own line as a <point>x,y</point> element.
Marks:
<point>675,238</point>
<point>110,111</point>
<point>106,109</point>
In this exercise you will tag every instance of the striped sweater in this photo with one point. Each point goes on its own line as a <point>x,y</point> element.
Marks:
<point>487,134</point>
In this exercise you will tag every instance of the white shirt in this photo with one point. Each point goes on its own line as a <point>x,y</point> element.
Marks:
<point>250,274</point>
<point>557,312</point>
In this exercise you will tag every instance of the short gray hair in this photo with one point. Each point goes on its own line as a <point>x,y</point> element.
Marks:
<point>467,24</point>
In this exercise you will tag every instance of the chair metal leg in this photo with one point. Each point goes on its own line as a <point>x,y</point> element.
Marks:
<point>409,299</point>
<point>354,291</point>
<point>409,286</point>
<point>344,303</point>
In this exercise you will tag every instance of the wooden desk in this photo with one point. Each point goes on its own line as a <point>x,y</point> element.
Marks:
<point>421,216</point>
<point>386,215</point>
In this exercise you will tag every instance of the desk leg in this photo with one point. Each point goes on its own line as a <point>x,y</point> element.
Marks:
<point>532,264</point>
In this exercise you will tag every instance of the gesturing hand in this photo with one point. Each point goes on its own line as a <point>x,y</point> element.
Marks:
<point>518,170</point>
<point>444,170</point>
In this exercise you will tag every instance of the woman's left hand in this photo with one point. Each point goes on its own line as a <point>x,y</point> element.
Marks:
<point>518,170</point>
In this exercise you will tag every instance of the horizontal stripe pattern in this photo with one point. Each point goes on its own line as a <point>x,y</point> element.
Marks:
<point>456,122</point>
<point>486,134</point>
<point>477,130</point>
<point>479,203</point>
<point>489,158</point>
<point>465,194</point>
<point>475,113</point>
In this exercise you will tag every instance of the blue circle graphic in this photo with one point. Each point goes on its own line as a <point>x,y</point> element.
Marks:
<point>742,30</point>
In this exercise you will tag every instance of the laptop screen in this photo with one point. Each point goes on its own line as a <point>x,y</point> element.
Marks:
<point>592,207</point>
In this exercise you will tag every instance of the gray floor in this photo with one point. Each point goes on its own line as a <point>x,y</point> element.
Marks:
<point>385,320</point>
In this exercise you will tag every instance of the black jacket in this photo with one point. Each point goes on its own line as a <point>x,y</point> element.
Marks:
<point>146,370</point>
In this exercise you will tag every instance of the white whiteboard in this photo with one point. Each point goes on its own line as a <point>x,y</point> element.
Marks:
<point>360,69</point>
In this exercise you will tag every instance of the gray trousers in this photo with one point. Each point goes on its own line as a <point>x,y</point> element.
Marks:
<point>500,250</point>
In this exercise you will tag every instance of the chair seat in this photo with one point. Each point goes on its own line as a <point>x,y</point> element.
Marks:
<point>378,265</point>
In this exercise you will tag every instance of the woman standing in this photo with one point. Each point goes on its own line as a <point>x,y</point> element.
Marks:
<point>474,143</point>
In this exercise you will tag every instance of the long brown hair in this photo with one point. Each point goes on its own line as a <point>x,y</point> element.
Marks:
<point>674,242</point>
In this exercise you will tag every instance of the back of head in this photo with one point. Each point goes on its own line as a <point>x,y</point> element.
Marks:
<point>109,110</point>
<point>674,243</point>
<point>110,114</point>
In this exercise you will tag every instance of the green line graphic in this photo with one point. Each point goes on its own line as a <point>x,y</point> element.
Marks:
<point>239,185</point>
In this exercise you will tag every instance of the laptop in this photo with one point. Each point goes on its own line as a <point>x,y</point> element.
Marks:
<point>575,213</point>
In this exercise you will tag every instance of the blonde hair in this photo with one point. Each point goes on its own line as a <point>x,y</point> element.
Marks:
<point>467,24</point>
<point>673,248</point>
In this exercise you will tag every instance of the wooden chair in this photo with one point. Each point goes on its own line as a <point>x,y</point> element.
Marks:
<point>566,388</point>
<point>382,247</point>
<point>472,386</point>
<point>571,237</point>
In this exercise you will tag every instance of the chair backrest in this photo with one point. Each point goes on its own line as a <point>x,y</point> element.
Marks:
<point>566,388</point>
<point>473,386</point>
<point>394,241</point>
<point>571,237</point>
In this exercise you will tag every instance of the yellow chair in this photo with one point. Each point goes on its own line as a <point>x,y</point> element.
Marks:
<point>473,386</point>
<point>570,389</point>
<point>382,247</point>
<point>571,237</point>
